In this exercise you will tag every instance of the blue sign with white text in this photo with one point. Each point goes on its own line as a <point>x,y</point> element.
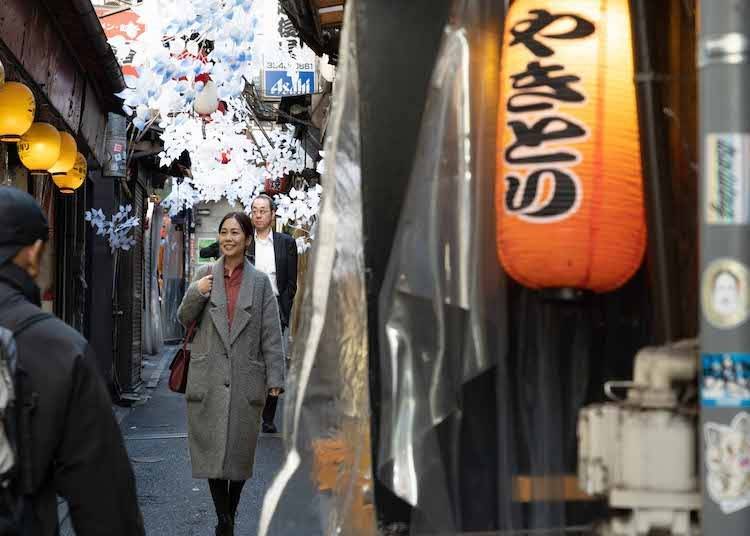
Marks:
<point>278,83</point>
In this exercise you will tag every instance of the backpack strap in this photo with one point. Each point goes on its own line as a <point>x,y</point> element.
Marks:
<point>26,323</point>
<point>28,401</point>
<point>22,326</point>
<point>19,433</point>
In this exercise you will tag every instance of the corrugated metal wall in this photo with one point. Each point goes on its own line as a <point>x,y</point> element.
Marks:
<point>138,255</point>
<point>129,298</point>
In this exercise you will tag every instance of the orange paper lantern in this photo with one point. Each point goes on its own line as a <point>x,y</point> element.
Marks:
<point>570,192</point>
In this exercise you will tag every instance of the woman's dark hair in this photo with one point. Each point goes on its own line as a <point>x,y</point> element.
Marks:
<point>243,219</point>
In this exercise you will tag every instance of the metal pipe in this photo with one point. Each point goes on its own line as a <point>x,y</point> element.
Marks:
<point>657,367</point>
<point>724,141</point>
<point>656,172</point>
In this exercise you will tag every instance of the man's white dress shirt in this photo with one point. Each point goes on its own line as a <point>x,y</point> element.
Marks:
<point>265,259</point>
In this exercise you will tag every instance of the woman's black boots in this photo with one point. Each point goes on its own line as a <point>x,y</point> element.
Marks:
<point>223,505</point>
<point>225,526</point>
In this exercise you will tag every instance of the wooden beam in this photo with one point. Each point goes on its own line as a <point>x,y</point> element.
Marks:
<point>328,3</point>
<point>329,12</point>
<point>331,19</point>
<point>553,488</point>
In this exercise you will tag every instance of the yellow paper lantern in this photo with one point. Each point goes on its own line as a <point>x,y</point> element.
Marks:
<point>569,184</point>
<point>17,108</point>
<point>69,182</point>
<point>39,148</point>
<point>68,154</point>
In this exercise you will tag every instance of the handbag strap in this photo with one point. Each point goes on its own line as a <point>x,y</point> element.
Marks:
<point>189,336</point>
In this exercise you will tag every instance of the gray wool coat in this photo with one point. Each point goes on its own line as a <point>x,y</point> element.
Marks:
<point>231,371</point>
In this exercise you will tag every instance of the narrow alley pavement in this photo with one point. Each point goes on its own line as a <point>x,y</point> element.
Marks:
<point>172,502</point>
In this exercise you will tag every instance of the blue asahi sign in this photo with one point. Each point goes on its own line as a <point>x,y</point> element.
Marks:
<point>279,80</point>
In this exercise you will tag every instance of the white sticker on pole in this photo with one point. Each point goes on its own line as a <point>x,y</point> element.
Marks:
<point>725,298</point>
<point>727,195</point>
<point>728,463</point>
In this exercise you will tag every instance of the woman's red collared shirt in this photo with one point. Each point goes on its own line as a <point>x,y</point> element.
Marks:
<point>232,284</point>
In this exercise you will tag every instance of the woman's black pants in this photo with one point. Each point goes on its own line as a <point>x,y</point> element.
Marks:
<point>226,496</point>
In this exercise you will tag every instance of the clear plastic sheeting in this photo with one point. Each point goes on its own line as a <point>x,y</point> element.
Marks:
<point>442,304</point>
<point>325,485</point>
<point>173,266</point>
<point>153,337</point>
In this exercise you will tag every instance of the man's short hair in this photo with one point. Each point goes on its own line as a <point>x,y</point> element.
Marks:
<point>271,202</point>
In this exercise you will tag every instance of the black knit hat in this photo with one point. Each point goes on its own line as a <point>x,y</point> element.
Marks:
<point>22,222</point>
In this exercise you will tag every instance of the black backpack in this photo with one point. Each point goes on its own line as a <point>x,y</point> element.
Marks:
<point>16,403</point>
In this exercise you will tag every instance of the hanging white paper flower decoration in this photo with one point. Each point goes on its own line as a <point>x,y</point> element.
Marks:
<point>117,230</point>
<point>194,55</point>
<point>300,208</point>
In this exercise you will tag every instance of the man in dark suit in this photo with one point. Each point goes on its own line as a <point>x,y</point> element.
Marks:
<point>276,255</point>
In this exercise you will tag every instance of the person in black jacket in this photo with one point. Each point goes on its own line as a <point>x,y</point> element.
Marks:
<point>77,450</point>
<point>276,255</point>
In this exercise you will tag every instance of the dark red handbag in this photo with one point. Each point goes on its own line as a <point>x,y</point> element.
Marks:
<point>178,375</point>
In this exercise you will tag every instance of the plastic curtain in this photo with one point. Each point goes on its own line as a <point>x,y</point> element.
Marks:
<point>325,484</point>
<point>153,335</point>
<point>174,283</point>
<point>442,304</point>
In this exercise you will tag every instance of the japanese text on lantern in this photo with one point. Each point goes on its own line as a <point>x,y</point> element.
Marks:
<point>539,158</point>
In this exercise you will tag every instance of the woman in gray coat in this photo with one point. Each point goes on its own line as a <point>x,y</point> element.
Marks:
<point>236,361</point>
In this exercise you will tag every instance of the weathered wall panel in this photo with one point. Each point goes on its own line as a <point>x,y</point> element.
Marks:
<point>15,18</point>
<point>39,40</point>
<point>65,87</point>
<point>93,124</point>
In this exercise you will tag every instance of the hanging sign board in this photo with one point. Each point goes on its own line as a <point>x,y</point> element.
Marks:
<point>280,80</point>
<point>123,28</point>
<point>116,146</point>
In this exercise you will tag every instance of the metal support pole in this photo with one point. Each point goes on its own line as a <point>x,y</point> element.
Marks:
<point>724,215</point>
<point>5,178</point>
<point>646,15</point>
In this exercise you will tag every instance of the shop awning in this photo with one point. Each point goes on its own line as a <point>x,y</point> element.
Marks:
<point>318,23</point>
